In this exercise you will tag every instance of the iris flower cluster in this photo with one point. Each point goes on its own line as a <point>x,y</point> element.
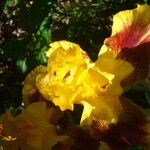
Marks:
<point>108,119</point>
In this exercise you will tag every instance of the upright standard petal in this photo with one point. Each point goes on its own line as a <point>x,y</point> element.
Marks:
<point>67,64</point>
<point>64,57</point>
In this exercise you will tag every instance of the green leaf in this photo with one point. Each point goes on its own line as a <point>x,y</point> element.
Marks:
<point>44,31</point>
<point>41,57</point>
<point>21,64</point>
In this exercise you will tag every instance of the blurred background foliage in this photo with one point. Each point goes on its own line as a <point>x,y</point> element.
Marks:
<point>28,26</point>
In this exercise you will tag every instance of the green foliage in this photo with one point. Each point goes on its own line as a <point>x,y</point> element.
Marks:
<point>139,93</point>
<point>25,36</point>
<point>21,65</point>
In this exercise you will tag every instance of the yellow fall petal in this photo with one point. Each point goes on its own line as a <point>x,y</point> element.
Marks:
<point>106,108</point>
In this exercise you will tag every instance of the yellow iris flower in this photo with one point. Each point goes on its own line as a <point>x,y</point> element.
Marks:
<point>32,128</point>
<point>72,79</point>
